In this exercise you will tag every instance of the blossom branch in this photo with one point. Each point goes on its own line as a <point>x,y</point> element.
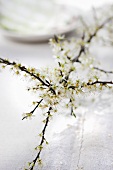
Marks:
<point>24,69</point>
<point>100,82</point>
<point>99,28</point>
<point>82,47</point>
<point>82,50</point>
<point>31,113</point>
<point>91,84</point>
<point>40,147</point>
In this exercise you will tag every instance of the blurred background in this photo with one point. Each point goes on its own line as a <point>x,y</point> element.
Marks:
<point>32,20</point>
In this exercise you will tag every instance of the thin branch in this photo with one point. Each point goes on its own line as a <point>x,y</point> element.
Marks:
<point>35,88</point>
<point>92,83</point>
<point>99,28</point>
<point>42,139</point>
<point>24,69</point>
<point>104,71</point>
<point>100,82</point>
<point>82,50</point>
<point>38,103</point>
<point>82,47</point>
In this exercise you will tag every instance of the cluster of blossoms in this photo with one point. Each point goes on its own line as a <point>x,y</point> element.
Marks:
<point>75,74</point>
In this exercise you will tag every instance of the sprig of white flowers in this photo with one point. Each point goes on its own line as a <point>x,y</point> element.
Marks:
<point>66,81</point>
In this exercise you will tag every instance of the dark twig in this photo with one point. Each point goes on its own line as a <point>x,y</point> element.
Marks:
<point>93,83</point>
<point>42,139</point>
<point>38,103</point>
<point>99,28</point>
<point>24,69</point>
<point>100,82</point>
<point>82,50</point>
<point>82,47</point>
<point>104,71</point>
